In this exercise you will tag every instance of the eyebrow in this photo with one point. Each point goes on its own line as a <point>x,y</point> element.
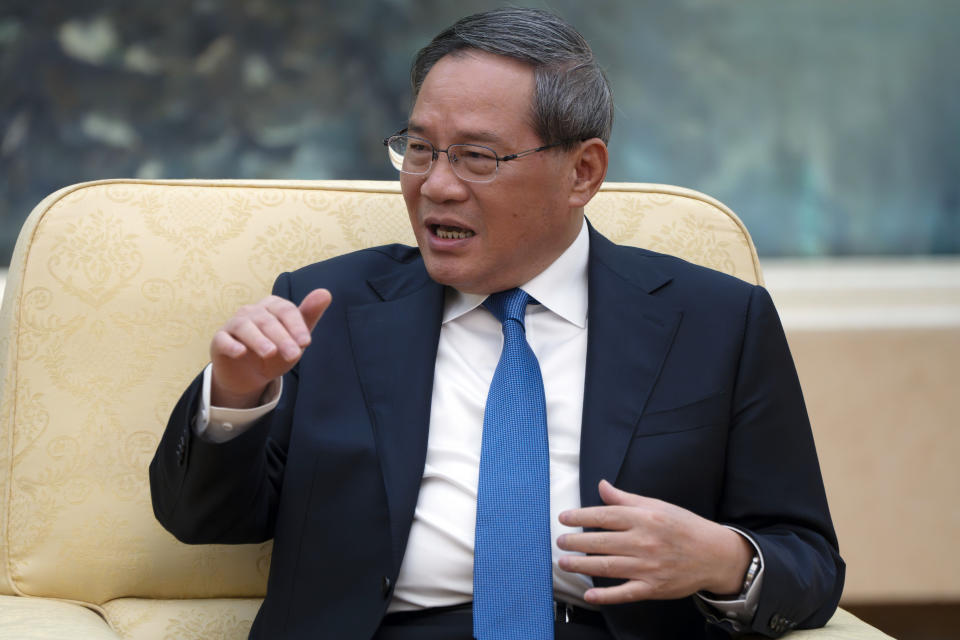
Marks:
<point>473,136</point>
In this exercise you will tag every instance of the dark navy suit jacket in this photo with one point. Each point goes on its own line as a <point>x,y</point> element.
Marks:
<point>691,397</point>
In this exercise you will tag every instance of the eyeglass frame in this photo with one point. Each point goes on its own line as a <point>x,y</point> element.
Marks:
<point>436,154</point>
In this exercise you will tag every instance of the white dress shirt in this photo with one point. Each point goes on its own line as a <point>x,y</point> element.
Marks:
<point>437,567</point>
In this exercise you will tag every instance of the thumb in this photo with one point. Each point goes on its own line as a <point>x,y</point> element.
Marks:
<point>613,496</point>
<point>313,306</point>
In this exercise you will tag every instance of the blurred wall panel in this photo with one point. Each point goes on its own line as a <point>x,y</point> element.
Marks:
<point>832,128</point>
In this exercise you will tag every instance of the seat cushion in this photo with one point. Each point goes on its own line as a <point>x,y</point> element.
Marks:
<point>42,619</point>
<point>213,619</point>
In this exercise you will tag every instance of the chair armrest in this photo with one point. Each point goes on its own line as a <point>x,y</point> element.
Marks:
<point>26,618</point>
<point>842,626</point>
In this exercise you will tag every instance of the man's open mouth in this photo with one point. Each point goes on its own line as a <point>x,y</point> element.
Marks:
<point>451,233</point>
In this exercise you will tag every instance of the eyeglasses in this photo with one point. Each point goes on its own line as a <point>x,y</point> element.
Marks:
<point>470,162</point>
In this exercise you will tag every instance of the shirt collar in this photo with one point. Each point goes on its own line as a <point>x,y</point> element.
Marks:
<point>561,287</point>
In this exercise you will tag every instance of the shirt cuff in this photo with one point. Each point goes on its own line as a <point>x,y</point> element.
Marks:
<point>739,610</point>
<point>221,424</point>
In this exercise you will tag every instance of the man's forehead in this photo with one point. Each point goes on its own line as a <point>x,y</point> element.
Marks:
<point>479,62</point>
<point>485,90</point>
<point>416,128</point>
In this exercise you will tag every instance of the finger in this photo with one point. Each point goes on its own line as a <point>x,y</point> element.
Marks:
<point>224,344</point>
<point>603,566</point>
<point>610,518</point>
<point>613,496</point>
<point>313,306</point>
<point>275,331</point>
<point>597,542</point>
<point>629,591</point>
<point>291,319</point>
<point>248,333</point>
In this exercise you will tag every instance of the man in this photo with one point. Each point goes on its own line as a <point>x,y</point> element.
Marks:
<point>362,425</point>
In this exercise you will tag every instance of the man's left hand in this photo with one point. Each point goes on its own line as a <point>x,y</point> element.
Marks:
<point>662,551</point>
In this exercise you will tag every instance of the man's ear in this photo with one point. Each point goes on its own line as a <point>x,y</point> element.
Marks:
<point>590,168</point>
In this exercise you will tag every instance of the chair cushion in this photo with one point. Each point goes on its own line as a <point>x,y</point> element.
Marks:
<point>216,619</point>
<point>41,619</point>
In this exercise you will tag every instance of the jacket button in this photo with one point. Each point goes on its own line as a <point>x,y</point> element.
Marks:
<point>385,585</point>
<point>774,622</point>
<point>182,449</point>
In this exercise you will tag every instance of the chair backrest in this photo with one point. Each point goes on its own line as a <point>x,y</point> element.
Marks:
<point>113,293</point>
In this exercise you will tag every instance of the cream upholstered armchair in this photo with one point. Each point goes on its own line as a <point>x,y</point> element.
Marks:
<point>114,291</point>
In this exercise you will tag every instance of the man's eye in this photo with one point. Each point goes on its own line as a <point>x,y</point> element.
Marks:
<point>476,154</point>
<point>418,147</point>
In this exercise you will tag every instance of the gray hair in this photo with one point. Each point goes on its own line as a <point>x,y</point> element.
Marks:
<point>572,100</point>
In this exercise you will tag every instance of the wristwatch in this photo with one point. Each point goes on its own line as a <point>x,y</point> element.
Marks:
<point>750,576</point>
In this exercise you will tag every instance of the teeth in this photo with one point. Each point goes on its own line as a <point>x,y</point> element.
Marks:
<point>453,233</point>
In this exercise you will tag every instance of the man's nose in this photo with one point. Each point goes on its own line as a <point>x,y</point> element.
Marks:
<point>441,183</point>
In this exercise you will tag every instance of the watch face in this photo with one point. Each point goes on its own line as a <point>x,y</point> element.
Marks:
<point>751,575</point>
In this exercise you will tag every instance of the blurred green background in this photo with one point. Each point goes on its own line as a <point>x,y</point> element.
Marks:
<point>831,127</point>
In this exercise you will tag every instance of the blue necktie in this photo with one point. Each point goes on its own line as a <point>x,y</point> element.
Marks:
<point>512,570</point>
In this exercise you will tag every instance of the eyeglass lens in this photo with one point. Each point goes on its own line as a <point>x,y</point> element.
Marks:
<point>415,155</point>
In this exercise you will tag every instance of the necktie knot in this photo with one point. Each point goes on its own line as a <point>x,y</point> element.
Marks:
<point>508,305</point>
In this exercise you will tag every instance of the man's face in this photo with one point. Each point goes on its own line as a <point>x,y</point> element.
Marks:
<point>487,237</point>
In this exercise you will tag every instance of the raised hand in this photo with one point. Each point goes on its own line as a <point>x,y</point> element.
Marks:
<point>259,343</point>
<point>662,551</point>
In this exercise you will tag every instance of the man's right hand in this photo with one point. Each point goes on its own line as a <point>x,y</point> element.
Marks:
<point>261,342</point>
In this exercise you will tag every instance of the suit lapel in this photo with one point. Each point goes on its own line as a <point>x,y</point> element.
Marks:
<point>394,343</point>
<point>630,334</point>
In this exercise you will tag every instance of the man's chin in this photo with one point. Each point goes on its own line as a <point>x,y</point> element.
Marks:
<point>458,278</point>
<point>448,279</point>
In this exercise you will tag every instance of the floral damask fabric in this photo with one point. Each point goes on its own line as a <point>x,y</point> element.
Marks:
<point>39,619</point>
<point>113,293</point>
<point>217,619</point>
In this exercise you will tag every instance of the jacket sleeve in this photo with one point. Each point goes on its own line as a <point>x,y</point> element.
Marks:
<point>773,487</point>
<point>205,492</point>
